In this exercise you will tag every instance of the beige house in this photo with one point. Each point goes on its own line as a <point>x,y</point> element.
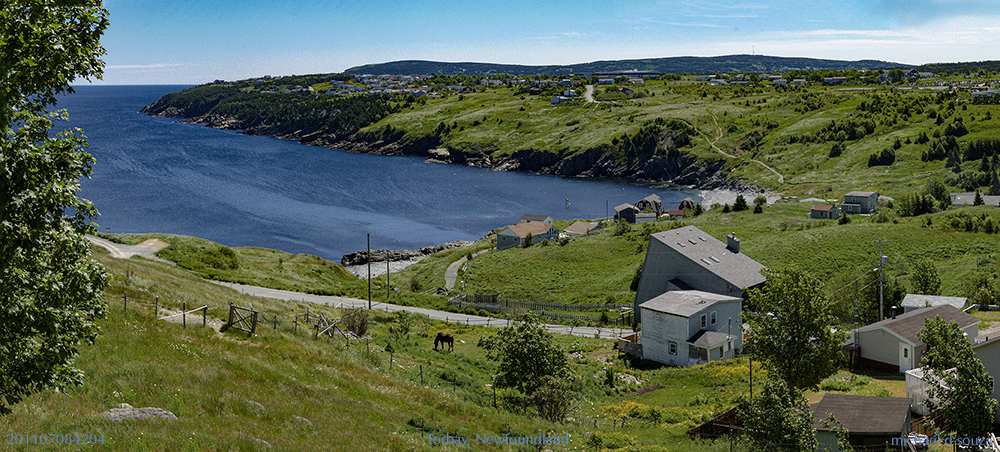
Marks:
<point>580,228</point>
<point>513,236</point>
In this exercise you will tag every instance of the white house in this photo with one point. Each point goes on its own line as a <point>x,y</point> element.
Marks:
<point>914,301</point>
<point>893,345</point>
<point>689,327</point>
<point>689,258</point>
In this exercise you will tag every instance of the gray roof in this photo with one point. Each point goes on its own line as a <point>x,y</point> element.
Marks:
<point>863,194</point>
<point>625,206</point>
<point>653,198</point>
<point>709,339</point>
<point>864,414</point>
<point>912,300</point>
<point>736,268</point>
<point>685,303</point>
<point>907,325</point>
<point>530,217</point>
<point>959,199</point>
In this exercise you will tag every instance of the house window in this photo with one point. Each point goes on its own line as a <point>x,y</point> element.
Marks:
<point>906,352</point>
<point>713,317</point>
<point>673,348</point>
<point>703,320</point>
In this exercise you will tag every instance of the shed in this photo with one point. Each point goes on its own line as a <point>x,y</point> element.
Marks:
<point>869,420</point>
<point>626,212</point>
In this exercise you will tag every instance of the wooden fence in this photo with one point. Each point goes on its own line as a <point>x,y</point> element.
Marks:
<point>243,319</point>
<point>497,305</point>
<point>155,304</point>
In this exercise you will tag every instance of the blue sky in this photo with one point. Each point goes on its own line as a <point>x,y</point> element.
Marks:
<point>189,42</point>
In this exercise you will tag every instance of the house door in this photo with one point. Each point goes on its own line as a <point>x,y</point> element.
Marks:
<point>905,357</point>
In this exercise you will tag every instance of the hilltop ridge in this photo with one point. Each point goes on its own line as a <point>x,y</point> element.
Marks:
<point>668,65</point>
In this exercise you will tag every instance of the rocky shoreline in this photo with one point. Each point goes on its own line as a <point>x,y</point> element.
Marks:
<point>677,168</point>
<point>361,257</point>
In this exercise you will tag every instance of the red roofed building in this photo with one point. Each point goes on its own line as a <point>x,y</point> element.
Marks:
<point>824,212</point>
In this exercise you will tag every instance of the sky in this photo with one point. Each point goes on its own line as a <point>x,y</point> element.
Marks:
<point>192,42</point>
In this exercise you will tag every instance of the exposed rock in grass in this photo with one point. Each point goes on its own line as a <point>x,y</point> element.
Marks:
<point>126,411</point>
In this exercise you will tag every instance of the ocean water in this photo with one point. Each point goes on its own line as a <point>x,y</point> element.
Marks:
<point>157,175</point>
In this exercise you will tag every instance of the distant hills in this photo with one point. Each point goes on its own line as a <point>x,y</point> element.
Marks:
<point>672,65</point>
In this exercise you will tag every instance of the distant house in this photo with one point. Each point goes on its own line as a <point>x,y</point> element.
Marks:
<point>580,228</point>
<point>689,327</point>
<point>824,212</point>
<point>626,212</point>
<point>514,236</point>
<point>636,80</point>
<point>690,259</point>
<point>645,217</point>
<point>834,80</point>
<point>960,199</point>
<point>626,91</point>
<point>871,422</point>
<point>798,82</point>
<point>892,345</point>
<point>686,203</point>
<point>605,81</point>
<point>677,214</point>
<point>536,218</point>
<point>860,202</point>
<point>915,301</point>
<point>651,202</point>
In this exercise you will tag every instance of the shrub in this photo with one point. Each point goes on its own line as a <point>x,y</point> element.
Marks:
<point>740,204</point>
<point>356,321</point>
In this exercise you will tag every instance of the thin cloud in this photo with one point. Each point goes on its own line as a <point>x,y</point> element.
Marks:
<point>143,66</point>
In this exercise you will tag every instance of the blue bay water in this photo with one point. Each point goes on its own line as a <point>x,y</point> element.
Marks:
<point>157,175</point>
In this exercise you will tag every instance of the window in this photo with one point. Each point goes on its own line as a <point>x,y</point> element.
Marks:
<point>703,320</point>
<point>713,317</point>
<point>906,352</point>
<point>673,348</point>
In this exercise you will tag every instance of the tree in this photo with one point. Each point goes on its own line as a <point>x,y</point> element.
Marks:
<point>51,292</point>
<point>963,395</point>
<point>526,355</point>
<point>740,204</point>
<point>979,199</point>
<point>925,279</point>
<point>778,419</point>
<point>792,329</point>
<point>527,241</point>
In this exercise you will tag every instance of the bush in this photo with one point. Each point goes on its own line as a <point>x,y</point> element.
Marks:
<point>356,321</point>
<point>844,219</point>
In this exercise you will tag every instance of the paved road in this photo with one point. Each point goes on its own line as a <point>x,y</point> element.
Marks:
<point>345,302</point>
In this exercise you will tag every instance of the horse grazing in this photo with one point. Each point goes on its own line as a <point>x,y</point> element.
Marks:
<point>444,339</point>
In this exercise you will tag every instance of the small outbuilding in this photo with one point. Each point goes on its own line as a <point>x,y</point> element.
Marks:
<point>870,421</point>
<point>626,212</point>
<point>824,212</point>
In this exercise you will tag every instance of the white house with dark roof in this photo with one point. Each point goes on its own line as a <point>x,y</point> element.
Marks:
<point>689,327</point>
<point>914,301</point>
<point>893,345</point>
<point>688,258</point>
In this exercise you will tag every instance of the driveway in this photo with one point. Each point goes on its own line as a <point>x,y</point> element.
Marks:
<point>145,249</point>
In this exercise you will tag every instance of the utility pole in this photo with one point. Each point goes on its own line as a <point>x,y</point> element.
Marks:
<point>387,277</point>
<point>566,213</point>
<point>369,271</point>
<point>881,280</point>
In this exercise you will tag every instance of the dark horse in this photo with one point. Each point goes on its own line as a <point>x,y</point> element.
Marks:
<point>444,339</point>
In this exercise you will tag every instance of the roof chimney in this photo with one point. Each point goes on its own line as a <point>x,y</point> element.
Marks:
<point>733,243</point>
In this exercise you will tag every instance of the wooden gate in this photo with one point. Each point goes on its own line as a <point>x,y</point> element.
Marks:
<point>242,319</point>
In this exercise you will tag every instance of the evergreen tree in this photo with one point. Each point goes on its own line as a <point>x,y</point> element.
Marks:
<point>740,204</point>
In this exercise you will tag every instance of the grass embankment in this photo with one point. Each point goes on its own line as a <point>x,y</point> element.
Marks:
<point>782,127</point>
<point>282,390</point>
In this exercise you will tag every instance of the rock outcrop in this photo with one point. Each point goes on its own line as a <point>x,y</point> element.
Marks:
<point>361,257</point>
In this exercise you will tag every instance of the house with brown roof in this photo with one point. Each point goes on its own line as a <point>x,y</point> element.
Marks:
<point>688,258</point>
<point>892,345</point>
<point>580,228</point>
<point>871,422</point>
<point>514,236</point>
<point>824,212</point>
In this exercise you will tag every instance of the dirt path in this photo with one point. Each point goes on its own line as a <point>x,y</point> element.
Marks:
<point>589,94</point>
<point>451,274</point>
<point>718,136</point>
<point>145,249</point>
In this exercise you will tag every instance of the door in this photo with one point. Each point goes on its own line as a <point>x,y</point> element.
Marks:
<point>905,357</point>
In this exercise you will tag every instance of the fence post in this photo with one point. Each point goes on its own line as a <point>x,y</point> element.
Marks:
<point>204,316</point>
<point>253,327</point>
<point>125,297</point>
<point>276,322</point>
<point>156,312</point>
<point>421,374</point>
<point>316,333</point>
<point>184,314</point>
